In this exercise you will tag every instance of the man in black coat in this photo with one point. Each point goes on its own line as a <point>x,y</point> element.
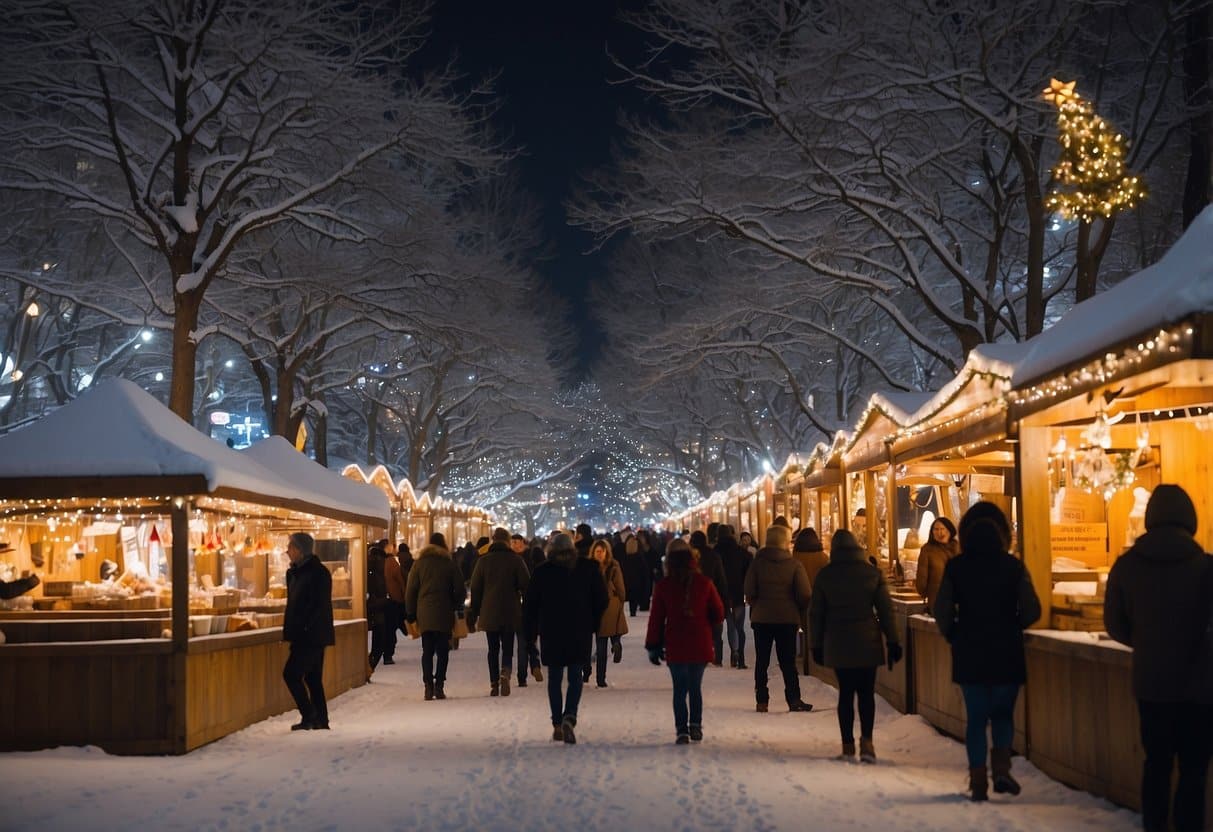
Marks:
<point>736,562</point>
<point>712,568</point>
<point>308,626</point>
<point>564,603</point>
<point>1158,602</point>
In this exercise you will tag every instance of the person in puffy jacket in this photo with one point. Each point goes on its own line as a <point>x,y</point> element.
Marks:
<point>685,608</point>
<point>986,601</point>
<point>1158,602</point>
<point>777,590</point>
<point>433,597</point>
<point>499,580</point>
<point>850,610</point>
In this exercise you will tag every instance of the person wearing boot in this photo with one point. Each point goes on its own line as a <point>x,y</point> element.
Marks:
<point>986,601</point>
<point>526,654</point>
<point>736,562</point>
<point>432,598</point>
<point>777,590</point>
<point>614,624</point>
<point>564,604</point>
<point>1158,602</point>
<point>685,608</point>
<point>308,625</point>
<point>850,609</point>
<point>498,583</point>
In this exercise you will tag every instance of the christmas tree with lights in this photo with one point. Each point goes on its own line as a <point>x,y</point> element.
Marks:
<point>1093,182</point>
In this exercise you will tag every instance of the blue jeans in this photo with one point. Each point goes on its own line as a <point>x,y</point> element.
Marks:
<point>736,624</point>
<point>555,681</point>
<point>688,689</point>
<point>993,704</point>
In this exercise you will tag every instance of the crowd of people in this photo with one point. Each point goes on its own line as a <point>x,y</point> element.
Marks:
<point>564,603</point>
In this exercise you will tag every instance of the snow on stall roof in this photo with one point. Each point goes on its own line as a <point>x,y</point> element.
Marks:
<point>1178,285</point>
<point>336,491</point>
<point>899,404</point>
<point>117,429</point>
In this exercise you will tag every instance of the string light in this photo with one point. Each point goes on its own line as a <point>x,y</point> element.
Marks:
<point>1093,180</point>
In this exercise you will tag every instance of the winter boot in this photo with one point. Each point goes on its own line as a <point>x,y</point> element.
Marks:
<point>732,658</point>
<point>741,665</point>
<point>374,660</point>
<point>617,652</point>
<point>978,784</point>
<point>683,739</point>
<point>495,689</point>
<point>1000,771</point>
<point>761,707</point>
<point>867,751</point>
<point>429,691</point>
<point>799,705</point>
<point>537,672</point>
<point>505,684</point>
<point>696,732</point>
<point>557,734</point>
<point>566,730</point>
<point>439,692</point>
<point>848,751</point>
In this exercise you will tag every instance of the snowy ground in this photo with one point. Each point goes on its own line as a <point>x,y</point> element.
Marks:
<point>394,761</point>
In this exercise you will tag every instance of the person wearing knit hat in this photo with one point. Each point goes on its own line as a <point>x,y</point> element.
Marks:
<point>1158,601</point>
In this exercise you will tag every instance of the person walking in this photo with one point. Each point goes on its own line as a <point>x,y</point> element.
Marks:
<point>563,607</point>
<point>736,562</point>
<point>685,607</point>
<point>308,625</point>
<point>934,557</point>
<point>635,566</point>
<point>376,602</point>
<point>809,553</point>
<point>614,624</point>
<point>433,597</point>
<point>498,583</point>
<point>712,568</point>
<point>986,601</point>
<point>777,590</point>
<point>1158,602</point>
<point>528,654</point>
<point>849,610</point>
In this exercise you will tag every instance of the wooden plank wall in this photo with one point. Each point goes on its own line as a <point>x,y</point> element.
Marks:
<point>107,694</point>
<point>232,688</point>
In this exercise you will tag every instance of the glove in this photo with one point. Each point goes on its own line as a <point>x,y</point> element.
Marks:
<point>656,654</point>
<point>895,654</point>
<point>819,656</point>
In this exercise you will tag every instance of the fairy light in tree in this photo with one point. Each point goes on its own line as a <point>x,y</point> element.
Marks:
<point>1093,180</point>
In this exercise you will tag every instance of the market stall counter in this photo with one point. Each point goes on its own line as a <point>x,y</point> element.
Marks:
<point>181,642</point>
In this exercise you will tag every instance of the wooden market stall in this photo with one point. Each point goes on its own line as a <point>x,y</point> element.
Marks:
<point>181,648</point>
<point>415,518</point>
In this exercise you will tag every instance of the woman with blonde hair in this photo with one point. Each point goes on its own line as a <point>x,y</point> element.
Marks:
<point>613,624</point>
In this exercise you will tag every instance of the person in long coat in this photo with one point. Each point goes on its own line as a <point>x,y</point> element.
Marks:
<point>850,610</point>
<point>308,625</point>
<point>614,623</point>
<point>498,583</point>
<point>433,597</point>
<point>986,601</point>
<point>634,563</point>
<point>1159,602</point>
<point>685,608</point>
<point>736,562</point>
<point>712,567</point>
<point>808,551</point>
<point>377,612</point>
<point>934,557</point>
<point>563,607</point>
<point>777,590</point>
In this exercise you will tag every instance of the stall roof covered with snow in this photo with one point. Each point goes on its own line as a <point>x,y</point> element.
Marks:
<point>341,493</point>
<point>117,440</point>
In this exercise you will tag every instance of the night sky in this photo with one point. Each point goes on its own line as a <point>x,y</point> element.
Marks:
<point>557,105</point>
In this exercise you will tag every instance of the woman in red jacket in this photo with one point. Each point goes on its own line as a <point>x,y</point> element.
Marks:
<point>686,607</point>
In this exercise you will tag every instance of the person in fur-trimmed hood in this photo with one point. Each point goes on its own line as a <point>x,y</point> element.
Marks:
<point>1158,602</point>
<point>564,605</point>
<point>432,598</point>
<point>498,583</point>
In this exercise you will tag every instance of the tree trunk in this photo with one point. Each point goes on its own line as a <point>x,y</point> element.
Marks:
<point>320,440</point>
<point>1199,98</point>
<point>185,353</point>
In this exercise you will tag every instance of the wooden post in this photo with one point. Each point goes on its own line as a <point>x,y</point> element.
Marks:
<point>891,519</point>
<point>1032,478</point>
<point>871,521</point>
<point>178,692</point>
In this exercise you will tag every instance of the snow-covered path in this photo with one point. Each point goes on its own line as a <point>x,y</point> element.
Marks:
<point>394,761</point>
